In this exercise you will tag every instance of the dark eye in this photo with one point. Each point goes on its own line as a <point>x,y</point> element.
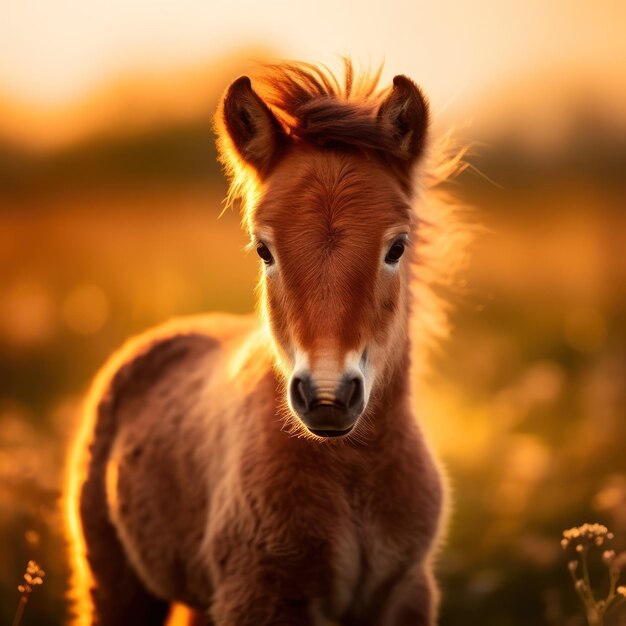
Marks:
<point>395,252</point>
<point>264,252</point>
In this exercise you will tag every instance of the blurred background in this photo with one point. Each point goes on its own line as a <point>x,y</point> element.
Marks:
<point>109,202</point>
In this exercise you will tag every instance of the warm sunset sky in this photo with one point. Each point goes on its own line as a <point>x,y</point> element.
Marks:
<point>53,51</point>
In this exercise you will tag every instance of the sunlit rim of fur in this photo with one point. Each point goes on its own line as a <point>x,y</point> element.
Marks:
<point>313,103</point>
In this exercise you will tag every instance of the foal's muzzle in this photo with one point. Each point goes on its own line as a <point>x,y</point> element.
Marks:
<point>323,416</point>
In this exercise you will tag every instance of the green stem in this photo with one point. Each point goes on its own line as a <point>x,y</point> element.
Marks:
<point>20,610</point>
<point>580,592</point>
<point>594,618</point>
<point>586,575</point>
<point>613,578</point>
<point>595,612</point>
<point>614,603</point>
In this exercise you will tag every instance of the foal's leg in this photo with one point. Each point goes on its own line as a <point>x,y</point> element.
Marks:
<point>413,602</point>
<point>117,597</point>
<point>244,601</point>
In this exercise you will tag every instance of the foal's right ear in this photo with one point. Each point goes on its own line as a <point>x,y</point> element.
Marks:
<point>245,123</point>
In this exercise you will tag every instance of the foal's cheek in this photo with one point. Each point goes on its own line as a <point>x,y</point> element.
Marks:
<point>277,316</point>
<point>387,306</point>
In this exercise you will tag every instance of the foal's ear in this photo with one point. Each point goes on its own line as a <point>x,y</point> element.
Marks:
<point>405,114</point>
<point>253,130</point>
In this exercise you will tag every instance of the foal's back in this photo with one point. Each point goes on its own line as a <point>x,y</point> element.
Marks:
<point>165,413</point>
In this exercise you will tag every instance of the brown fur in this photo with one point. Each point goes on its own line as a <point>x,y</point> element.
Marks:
<point>185,485</point>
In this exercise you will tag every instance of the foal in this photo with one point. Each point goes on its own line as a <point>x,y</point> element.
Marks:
<point>269,470</point>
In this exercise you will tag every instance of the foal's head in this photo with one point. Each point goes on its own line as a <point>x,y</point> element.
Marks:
<point>325,174</point>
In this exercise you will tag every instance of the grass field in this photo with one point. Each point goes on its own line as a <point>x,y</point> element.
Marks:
<point>524,402</point>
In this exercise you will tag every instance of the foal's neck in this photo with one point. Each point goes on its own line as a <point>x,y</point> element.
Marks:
<point>391,396</point>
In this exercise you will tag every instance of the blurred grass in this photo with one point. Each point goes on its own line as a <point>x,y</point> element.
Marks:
<point>106,237</point>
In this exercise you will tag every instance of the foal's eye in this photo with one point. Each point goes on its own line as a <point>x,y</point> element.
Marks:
<point>264,252</point>
<point>395,252</point>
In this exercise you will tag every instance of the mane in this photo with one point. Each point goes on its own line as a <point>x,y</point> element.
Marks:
<point>314,105</point>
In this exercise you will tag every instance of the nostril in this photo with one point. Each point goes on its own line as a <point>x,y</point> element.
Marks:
<point>350,394</point>
<point>355,394</point>
<point>302,393</point>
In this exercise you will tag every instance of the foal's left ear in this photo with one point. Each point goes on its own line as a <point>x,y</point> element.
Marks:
<point>253,130</point>
<point>405,114</point>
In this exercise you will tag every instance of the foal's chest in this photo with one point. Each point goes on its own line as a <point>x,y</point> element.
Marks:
<point>387,536</point>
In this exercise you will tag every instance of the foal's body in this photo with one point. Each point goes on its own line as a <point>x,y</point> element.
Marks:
<point>274,474</point>
<point>239,518</point>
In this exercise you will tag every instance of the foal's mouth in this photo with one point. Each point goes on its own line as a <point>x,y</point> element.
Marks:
<point>326,419</point>
<point>331,433</point>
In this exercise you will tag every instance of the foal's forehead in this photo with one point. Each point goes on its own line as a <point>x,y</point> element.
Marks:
<point>332,194</point>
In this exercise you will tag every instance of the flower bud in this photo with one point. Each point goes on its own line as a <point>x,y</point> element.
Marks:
<point>608,556</point>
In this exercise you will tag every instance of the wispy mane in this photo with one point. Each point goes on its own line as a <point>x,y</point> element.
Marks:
<point>316,105</point>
